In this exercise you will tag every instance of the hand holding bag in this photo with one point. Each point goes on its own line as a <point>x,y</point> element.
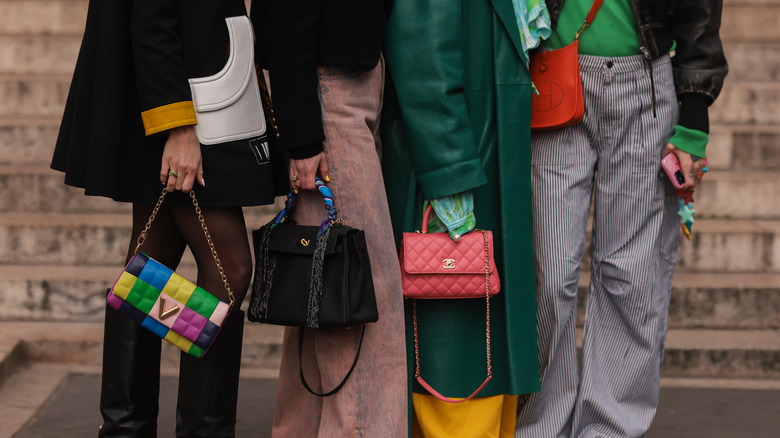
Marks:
<point>166,303</point>
<point>309,276</point>
<point>433,266</point>
<point>556,75</point>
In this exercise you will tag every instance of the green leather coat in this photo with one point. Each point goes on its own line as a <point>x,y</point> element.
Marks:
<point>457,117</point>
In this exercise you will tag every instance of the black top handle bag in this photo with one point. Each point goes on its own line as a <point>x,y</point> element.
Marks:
<point>312,277</point>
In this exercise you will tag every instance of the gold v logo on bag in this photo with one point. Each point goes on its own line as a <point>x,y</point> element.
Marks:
<point>303,242</point>
<point>164,314</point>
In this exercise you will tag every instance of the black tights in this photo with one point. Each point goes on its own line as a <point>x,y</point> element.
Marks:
<point>177,226</point>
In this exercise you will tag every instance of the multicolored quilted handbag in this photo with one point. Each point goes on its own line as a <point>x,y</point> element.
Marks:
<point>166,303</point>
<point>433,266</point>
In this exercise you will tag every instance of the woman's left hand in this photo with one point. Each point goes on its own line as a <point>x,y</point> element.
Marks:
<point>690,168</point>
<point>303,172</point>
<point>181,160</point>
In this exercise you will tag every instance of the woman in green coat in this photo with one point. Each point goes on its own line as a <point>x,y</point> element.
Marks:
<point>457,120</point>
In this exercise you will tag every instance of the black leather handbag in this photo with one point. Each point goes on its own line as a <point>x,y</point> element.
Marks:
<point>312,277</point>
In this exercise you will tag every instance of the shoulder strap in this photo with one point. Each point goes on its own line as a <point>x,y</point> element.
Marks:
<point>594,9</point>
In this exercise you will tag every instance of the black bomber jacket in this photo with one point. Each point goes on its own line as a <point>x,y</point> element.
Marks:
<point>698,62</point>
<point>293,37</point>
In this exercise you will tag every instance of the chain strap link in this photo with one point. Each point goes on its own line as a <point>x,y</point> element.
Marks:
<point>487,317</point>
<point>487,303</point>
<point>142,238</point>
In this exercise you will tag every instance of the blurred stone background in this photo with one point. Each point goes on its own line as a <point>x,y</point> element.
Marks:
<point>60,250</point>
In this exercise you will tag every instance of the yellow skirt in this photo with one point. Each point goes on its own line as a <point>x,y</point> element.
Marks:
<point>481,417</point>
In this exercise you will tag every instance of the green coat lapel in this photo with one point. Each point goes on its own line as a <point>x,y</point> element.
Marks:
<point>506,12</point>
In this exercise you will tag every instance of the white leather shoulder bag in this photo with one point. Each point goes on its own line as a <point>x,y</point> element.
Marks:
<point>228,105</point>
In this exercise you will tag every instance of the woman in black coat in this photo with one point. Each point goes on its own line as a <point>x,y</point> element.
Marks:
<point>127,133</point>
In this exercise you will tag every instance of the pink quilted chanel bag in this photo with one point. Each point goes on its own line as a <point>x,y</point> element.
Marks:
<point>433,266</point>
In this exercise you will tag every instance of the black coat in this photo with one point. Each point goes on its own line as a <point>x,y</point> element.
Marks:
<point>135,58</point>
<point>293,38</point>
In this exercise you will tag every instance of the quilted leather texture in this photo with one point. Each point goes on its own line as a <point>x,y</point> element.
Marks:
<point>139,293</point>
<point>433,266</point>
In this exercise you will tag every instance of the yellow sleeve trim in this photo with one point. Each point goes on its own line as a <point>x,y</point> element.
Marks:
<point>169,116</point>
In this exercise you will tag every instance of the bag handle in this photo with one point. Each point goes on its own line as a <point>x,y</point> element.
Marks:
<point>425,218</point>
<point>343,381</point>
<point>142,238</point>
<point>417,375</point>
<point>327,200</point>
<point>594,9</point>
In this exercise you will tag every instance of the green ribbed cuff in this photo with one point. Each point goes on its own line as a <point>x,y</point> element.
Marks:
<point>689,140</point>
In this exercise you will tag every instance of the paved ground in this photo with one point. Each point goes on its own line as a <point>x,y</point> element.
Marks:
<point>71,411</point>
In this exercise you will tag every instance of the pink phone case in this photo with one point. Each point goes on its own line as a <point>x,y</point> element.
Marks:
<point>671,165</point>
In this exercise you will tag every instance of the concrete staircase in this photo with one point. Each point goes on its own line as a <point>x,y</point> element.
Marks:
<point>60,250</point>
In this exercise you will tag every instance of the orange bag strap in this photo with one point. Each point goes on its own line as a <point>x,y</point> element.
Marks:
<point>594,9</point>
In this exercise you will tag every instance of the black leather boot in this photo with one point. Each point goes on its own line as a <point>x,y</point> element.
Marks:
<point>131,379</point>
<point>208,387</point>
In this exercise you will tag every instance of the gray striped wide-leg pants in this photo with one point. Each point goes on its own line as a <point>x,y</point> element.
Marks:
<point>612,158</point>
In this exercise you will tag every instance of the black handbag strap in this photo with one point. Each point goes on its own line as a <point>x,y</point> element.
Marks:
<point>343,381</point>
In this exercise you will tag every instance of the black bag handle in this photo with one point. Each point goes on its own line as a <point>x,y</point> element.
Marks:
<point>343,381</point>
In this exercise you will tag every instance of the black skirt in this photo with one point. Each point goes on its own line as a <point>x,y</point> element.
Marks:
<point>102,147</point>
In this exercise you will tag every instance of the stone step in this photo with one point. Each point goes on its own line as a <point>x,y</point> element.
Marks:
<point>729,354</point>
<point>43,17</point>
<point>723,354</point>
<point>38,54</point>
<point>750,20</point>
<point>731,246</point>
<point>747,104</point>
<point>715,300</point>
<point>725,245</point>
<point>45,95</point>
<point>78,239</point>
<point>56,54</point>
<point>30,140</point>
<point>742,20</point>
<point>32,188</point>
<point>33,96</point>
<point>702,300</point>
<point>35,188</point>
<point>27,140</point>
<point>101,239</point>
<point>82,343</point>
<point>757,61</point>
<point>738,195</point>
<point>744,148</point>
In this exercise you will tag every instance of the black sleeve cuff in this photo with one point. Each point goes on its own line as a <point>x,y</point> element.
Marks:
<point>305,151</point>
<point>694,111</point>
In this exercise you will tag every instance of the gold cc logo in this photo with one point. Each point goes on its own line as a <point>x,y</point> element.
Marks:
<point>448,263</point>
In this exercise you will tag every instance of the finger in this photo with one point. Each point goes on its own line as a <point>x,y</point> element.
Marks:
<point>324,170</point>
<point>199,178</point>
<point>687,169</point>
<point>171,183</point>
<point>164,172</point>
<point>308,179</point>
<point>293,176</point>
<point>667,150</point>
<point>187,182</point>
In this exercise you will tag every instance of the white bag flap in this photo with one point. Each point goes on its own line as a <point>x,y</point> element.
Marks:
<point>221,90</point>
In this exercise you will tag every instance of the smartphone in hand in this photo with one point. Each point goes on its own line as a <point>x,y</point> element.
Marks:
<point>671,166</point>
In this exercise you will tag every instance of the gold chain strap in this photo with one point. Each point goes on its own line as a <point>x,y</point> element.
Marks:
<point>487,317</point>
<point>145,232</point>
<point>487,303</point>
